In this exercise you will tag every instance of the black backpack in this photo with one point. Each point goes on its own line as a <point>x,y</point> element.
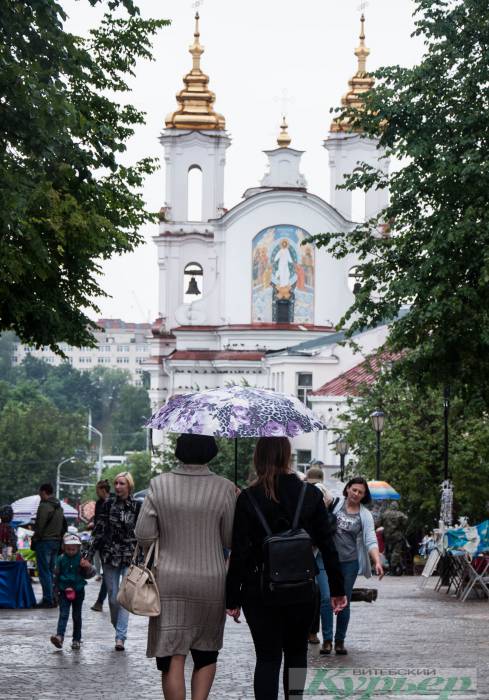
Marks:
<point>288,575</point>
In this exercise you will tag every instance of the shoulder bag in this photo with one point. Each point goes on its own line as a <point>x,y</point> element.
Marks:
<point>139,592</point>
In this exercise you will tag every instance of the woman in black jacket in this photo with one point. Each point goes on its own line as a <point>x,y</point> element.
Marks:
<point>277,630</point>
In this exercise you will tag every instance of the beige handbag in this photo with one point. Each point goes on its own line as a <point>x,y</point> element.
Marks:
<point>138,592</point>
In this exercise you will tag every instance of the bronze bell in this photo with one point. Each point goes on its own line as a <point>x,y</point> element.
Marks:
<point>192,287</point>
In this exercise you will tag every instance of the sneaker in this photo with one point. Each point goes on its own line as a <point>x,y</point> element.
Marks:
<point>339,648</point>
<point>98,578</point>
<point>98,607</point>
<point>75,644</point>
<point>119,645</point>
<point>313,639</point>
<point>326,647</point>
<point>57,641</point>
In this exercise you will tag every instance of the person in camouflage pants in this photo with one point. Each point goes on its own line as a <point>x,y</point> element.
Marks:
<point>394,522</point>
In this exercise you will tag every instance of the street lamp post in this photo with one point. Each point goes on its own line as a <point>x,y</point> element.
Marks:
<point>446,410</point>
<point>58,472</point>
<point>377,418</point>
<point>342,450</point>
<point>100,449</point>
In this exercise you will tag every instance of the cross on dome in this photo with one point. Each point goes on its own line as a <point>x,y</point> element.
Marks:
<point>360,83</point>
<point>196,111</point>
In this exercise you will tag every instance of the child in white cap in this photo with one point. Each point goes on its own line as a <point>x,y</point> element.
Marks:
<point>71,574</point>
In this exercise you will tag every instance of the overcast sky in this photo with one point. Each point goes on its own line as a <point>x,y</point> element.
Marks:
<point>254,51</point>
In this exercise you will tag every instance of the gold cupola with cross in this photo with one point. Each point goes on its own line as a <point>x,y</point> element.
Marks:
<point>359,84</point>
<point>196,101</point>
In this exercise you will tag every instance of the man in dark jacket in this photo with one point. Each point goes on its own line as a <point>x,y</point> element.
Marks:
<point>46,540</point>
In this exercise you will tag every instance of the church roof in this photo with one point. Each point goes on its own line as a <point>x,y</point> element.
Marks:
<point>213,355</point>
<point>349,383</point>
<point>196,110</point>
<point>361,83</point>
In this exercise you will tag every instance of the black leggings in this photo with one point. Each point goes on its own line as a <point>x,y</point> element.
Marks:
<point>277,631</point>
<point>200,659</point>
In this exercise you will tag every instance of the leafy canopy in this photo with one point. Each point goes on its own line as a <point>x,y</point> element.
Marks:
<point>67,200</point>
<point>435,117</point>
<point>412,448</point>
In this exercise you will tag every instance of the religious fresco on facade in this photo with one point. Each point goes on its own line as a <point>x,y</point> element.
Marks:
<point>283,276</point>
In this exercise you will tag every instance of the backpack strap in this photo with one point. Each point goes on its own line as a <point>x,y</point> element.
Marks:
<point>299,506</point>
<point>333,504</point>
<point>260,515</point>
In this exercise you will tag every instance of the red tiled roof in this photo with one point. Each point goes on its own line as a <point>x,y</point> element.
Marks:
<point>348,383</point>
<point>209,355</point>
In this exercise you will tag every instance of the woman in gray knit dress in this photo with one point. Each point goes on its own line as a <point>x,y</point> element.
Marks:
<point>190,510</point>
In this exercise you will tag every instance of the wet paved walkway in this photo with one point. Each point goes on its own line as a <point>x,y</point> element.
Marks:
<point>407,628</point>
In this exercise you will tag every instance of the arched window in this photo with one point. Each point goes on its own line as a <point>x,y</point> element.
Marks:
<point>354,280</point>
<point>358,206</point>
<point>193,279</point>
<point>194,189</point>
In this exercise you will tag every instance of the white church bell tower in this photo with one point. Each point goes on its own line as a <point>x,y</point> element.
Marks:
<point>195,142</point>
<point>195,139</point>
<point>347,147</point>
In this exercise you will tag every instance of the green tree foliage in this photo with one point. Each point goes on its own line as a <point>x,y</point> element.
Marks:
<point>223,463</point>
<point>412,448</point>
<point>434,117</point>
<point>34,437</point>
<point>43,419</point>
<point>67,199</point>
<point>140,465</point>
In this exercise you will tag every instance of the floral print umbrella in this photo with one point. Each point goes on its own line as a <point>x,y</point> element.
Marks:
<point>236,411</point>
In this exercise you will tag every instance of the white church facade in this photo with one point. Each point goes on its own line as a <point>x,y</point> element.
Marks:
<point>241,291</point>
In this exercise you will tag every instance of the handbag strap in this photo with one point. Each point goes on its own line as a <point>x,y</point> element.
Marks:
<point>154,547</point>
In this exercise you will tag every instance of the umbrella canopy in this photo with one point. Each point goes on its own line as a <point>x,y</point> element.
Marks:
<point>236,411</point>
<point>26,508</point>
<point>382,491</point>
<point>87,510</point>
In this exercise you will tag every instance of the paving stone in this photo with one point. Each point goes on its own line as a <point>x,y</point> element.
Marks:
<point>407,628</point>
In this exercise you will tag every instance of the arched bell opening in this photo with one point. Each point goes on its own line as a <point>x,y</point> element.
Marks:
<point>193,282</point>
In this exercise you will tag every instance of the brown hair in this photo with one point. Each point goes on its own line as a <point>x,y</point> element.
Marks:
<point>103,484</point>
<point>271,458</point>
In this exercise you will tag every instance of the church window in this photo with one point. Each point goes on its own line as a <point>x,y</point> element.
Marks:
<point>194,190</point>
<point>304,387</point>
<point>283,311</point>
<point>193,278</point>
<point>303,459</point>
<point>358,205</point>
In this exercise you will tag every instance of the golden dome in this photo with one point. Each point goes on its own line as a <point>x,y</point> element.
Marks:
<point>360,83</point>
<point>283,139</point>
<point>196,101</point>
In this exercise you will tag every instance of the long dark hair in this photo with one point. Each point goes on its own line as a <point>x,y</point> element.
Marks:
<point>271,458</point>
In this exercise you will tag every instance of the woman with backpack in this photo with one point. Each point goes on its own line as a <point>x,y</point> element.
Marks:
<point>272,569</point>
<point>357,546</point>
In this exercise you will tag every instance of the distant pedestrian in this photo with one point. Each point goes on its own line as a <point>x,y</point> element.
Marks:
<point>8,538</point>
<point>71,573</point>
<point>49,528</point>
<point>358,550</point>
<point>113,536</point>
<point>279,628</point>
<point>103,493</point>
<point>190,512</point>
<point>394,523</point>
<point>315,476</point>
